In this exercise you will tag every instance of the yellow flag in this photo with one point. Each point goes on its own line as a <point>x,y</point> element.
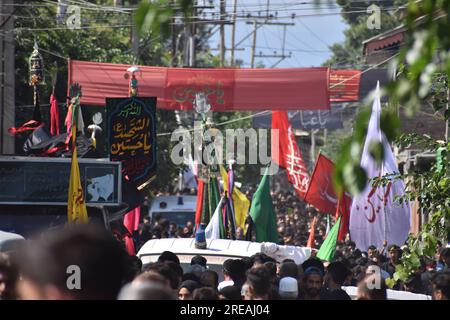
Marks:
<point>76,207</point>
<point>240,201</point>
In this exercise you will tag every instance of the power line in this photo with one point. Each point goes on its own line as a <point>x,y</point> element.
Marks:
<point>68,28</point>
<point>88,6</point>
<point>313,33</point>
<point>290,49</point>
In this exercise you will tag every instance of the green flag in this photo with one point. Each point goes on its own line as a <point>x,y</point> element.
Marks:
<point>214,195</point>
<point>263,214</point>
<point>328,247</point>
<point>210,200</point>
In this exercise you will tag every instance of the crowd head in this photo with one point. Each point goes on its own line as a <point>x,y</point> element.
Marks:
<point>95,263</point>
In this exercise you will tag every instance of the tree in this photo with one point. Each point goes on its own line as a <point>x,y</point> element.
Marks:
<point>423,66</point>
<point>350,53</point>
<point>431,189</point>
<point>105,36</point>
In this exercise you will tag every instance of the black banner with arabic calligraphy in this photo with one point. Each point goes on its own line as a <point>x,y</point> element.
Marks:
<point>306,119</point>
<point>132,136</point>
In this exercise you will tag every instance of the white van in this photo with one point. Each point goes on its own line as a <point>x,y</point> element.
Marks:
<point>218,251</point>
<point>9,240</point>
<point>176,209</point>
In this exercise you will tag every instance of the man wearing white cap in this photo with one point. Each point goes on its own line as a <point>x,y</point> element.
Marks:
<point>288,288</point>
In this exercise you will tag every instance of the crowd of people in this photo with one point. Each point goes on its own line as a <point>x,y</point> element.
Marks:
<point>87,262</point>
<point>294,218</point>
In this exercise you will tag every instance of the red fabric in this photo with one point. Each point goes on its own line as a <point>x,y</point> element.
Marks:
<point>131,222</point>
<point>322,196</point>
<point>28,126</point>
<point>344,85</point>
<point>54,116</point>
<point>129,246</point>
<point>198,210</point>
<point>321,192</point>
<point>68,120</point>
<point>311,239</point>
<point>227,89</point>
<point>131,219</point>
<point>288,154</point>
<point>344,209</point>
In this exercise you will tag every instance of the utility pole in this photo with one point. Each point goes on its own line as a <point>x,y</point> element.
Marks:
<point>313,145</point>
<point>259,21</point>
<point>7,74</point>
<point>187,37</point>
<point>283,55</point>
<point>254,43</point>
<point>174,39</point>
<point>192,38</point>
<point>222,32</point>
<point>233,31</point>
<point>134,35</point>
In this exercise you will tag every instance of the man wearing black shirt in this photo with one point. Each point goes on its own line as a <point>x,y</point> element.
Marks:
<point>313,285</point>
<point>337,272</point>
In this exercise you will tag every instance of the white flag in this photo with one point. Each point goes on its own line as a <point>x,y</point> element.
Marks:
<point>212,230</point>
<point>375,215</point>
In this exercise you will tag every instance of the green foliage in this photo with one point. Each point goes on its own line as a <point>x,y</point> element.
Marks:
<point>431,189</point>
<point>105,36</point>
<point>156,16</point>
<point>350,52</point>
<point>348,173</point>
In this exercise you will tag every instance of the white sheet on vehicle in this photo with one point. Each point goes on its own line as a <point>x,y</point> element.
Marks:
<point>391,294</point>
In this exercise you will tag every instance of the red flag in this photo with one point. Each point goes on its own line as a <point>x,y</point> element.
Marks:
<point>131,219</point>
<point>131,222</point>
<point>344,211</point>
<point>322,196</point>
<point>198,210</point>
<point>129,245</point>
<point>54,116</point>
<point>29,126</point>
<point>310,243</point>
<point>288,154</point>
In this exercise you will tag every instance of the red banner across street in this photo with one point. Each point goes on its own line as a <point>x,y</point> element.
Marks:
<point>226,89</point>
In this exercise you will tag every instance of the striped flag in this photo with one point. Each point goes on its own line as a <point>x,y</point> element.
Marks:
<point>240,202</point>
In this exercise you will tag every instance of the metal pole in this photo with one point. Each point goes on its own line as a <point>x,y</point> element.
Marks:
<point>233,31</point>
<point>313,146</point>
<point>105,218</point>
<point>174,40</point>
<point>253,45</point>
<point>222,33</point>
<point>192,38</point>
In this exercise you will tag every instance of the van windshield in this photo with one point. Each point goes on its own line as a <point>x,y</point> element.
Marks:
<point>178,217</point>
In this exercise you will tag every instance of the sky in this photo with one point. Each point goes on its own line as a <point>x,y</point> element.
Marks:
<point>315,29</point>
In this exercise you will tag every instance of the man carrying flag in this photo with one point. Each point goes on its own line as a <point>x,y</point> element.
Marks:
<point>76,206</point>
